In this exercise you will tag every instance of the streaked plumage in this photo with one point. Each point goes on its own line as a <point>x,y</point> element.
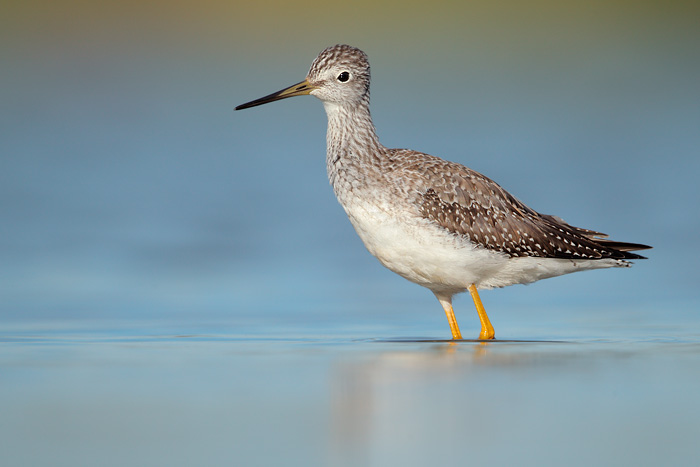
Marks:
<point>436,223</point>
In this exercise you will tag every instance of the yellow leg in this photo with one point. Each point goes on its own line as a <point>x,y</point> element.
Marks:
<point>446,303</point>
<point>487,331</point>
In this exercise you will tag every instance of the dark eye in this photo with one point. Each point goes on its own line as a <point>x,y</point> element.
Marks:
<point>344,76</point>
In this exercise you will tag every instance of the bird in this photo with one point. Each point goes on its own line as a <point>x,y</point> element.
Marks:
<point>436,223</point>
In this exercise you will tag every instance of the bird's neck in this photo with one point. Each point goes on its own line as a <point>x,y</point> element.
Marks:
<point>352,144</point>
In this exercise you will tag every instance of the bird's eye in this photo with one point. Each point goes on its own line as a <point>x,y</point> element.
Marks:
<point>344,76</point>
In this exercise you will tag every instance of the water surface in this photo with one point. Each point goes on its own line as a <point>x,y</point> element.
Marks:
<point>193,395</point>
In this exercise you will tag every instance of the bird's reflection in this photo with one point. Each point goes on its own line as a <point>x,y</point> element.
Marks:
<point>428,389</point>
<point>373,396</point>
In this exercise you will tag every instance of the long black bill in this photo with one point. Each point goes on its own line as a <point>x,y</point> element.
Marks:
<point>298,89</point>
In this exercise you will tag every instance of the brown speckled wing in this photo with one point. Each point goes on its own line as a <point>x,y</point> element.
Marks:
<point>469,204</point>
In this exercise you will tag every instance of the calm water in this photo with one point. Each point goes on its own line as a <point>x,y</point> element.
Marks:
<point>178,285</point>
<point>192,395</point>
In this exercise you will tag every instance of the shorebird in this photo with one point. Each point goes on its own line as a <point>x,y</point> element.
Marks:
<point>434,222</point>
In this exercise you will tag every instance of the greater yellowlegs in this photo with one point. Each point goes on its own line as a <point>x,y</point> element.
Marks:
<point>436,223</point>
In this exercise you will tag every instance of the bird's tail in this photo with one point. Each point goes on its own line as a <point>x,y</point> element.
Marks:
<point>624,247</point>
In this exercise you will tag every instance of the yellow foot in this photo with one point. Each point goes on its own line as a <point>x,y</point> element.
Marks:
<point>487,331</point>
<point>446,303</point>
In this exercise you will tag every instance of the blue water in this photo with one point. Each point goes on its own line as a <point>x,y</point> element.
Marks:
<point>178,285</point>
<point>160,395</point>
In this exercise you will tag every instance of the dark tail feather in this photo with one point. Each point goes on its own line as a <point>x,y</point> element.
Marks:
<point>620,250</point>
<point>624,247</point>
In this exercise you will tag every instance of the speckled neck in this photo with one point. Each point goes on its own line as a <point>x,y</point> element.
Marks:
<point>353,149</point>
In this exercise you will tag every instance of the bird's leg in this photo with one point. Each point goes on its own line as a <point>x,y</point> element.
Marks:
<point>446,302</point>
<point>487,331</point>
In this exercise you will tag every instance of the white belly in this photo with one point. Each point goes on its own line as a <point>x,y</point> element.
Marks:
<point>428,255</point>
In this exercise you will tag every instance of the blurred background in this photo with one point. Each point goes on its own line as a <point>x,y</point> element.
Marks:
<point>130,189</point>
<point>179,286</point>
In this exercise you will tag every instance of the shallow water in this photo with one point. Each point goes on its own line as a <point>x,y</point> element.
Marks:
<point>160,394</point>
